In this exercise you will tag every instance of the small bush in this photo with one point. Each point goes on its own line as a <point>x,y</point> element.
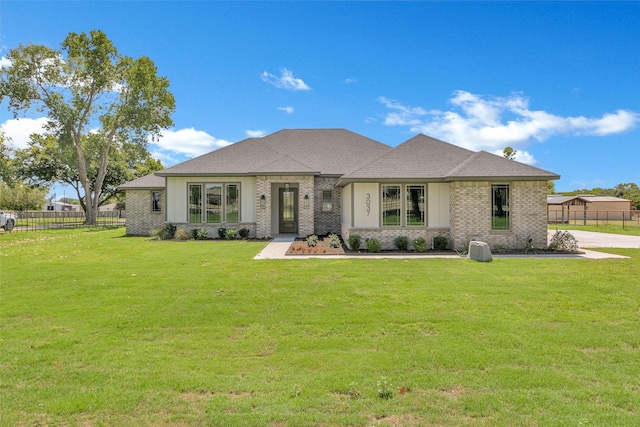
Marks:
<point>312,240</point>
<point>199,233</point>
<point>222,232</point>
<point>402,243</point>
<point>373,245</point>
<point>354,242</point>
<point>183,234</point>
<point>334,241</point>
<point>440,243</point>
<point>165,233</point>
<point>563,241</point>
<point>231,234</point>
<point>244,233</point>
<point>420,244</point>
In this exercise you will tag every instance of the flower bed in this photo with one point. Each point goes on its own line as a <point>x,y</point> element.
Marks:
<point>322,247</point>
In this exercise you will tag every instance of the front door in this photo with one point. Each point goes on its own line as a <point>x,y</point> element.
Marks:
<point>288,210</point>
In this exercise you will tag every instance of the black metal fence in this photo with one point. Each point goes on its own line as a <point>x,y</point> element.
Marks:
<point>595,218</point>
<point>44,220</point>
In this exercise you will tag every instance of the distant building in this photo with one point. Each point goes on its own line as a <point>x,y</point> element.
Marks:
<point>587,207</point>
<point>61,207</point>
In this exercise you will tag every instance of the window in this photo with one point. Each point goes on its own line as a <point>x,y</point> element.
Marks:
<point>391,205</point>
<point>500,215</point>
<point>404,211</point>
<point>221,203</point>
<point>415,205</point>
<point>327,204</point>
<point>155,202</point>
<point>195,203</point>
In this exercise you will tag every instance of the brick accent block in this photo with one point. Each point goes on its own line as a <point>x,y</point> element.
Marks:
<point>141,221</point>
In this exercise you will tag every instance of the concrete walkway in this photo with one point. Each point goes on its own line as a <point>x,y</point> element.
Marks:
<point>277,248</point>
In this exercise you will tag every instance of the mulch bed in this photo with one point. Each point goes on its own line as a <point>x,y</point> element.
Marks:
<point>299,247</point>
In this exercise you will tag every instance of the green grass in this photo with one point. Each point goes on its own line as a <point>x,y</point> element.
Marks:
<point>102,329</point>
<point>630,229</point>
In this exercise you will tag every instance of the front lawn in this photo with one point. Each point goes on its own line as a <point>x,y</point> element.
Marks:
<point>102,329</point>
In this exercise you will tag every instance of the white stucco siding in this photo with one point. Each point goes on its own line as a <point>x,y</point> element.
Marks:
<point>438,205</point>
<point>347,207</point>
<point>366,205</point>
<point>177,193</point>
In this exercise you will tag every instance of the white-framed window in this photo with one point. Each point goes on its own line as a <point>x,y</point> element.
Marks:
<point>214,203</point>
<point>327,201</point>
<point>156,205</point>
<point>407,211</point>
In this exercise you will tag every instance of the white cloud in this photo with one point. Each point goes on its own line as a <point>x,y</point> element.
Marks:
<point>288,110</point>
<point>19,130</point>
<point>492,123</point>
<point>5,62</point>
<point>255,133</point>
<point>285,81</point>
<point>350,81</point>
<point>188,142</point>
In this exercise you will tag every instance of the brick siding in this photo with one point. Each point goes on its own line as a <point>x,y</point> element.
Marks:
<point>141,221</point>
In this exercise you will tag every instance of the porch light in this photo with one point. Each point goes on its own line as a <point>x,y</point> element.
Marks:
<point>305,201</point>
<point>286,186</point>
<point>263,201</point>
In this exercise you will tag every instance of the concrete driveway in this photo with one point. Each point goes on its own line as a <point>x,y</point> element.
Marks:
<point>590,239</point>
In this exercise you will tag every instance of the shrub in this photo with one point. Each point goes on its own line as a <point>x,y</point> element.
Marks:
<point>165,233</point>
<point>199,233</point>
<point>402,243</point>
<point>222,233</point>
<point>312,240</point>
<point>440,243</point>
<point>354,242</point>
<point>244,233</point>
<point>563,241</point>
<point>373,245</point>
<point>231,233</point>
<point>420,244</point>
<point>183,234</point>
<point>334,241</point>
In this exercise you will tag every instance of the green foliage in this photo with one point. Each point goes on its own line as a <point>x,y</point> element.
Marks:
<point>199,233</point>
<point>440,243</point>
<point>420,244</point>
<point>244,233</point>
<point>522,343</point>
<point>354,241</point>
<point>222,232</point>
<point>102,108</point>
<point>22,197</point>
<point>629,191</point>
<point>402,243</point>
<point>167,232</point>
<point>385,391</point>
<point>373,245</point>
<point>335,241</point>
<point>231,234</point>
<point>312,240</point>
<point>509,153</point>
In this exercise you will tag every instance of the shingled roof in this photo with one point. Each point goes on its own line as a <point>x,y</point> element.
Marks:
<point>350,156</point>
<point>290,151</point>
<point>426,158</point>
<point>147,182</point>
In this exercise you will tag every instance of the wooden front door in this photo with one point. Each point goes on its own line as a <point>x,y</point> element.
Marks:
<point>288,210</point>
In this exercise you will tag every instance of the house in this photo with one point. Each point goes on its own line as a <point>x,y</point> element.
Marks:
<point>583,207</point>
<point>52,206</point>
<point>317,181</point>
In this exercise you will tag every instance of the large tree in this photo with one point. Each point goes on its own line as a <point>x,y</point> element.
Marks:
<point>45,162</point>
<point>96,101</point>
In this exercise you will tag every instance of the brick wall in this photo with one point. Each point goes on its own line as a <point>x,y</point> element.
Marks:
<point>264,185</point>
<point>470,215</point>
<point>387,235</point>
<point>141,220</point>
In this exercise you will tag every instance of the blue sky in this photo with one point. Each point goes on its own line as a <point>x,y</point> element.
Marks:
<point>557,81</point>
